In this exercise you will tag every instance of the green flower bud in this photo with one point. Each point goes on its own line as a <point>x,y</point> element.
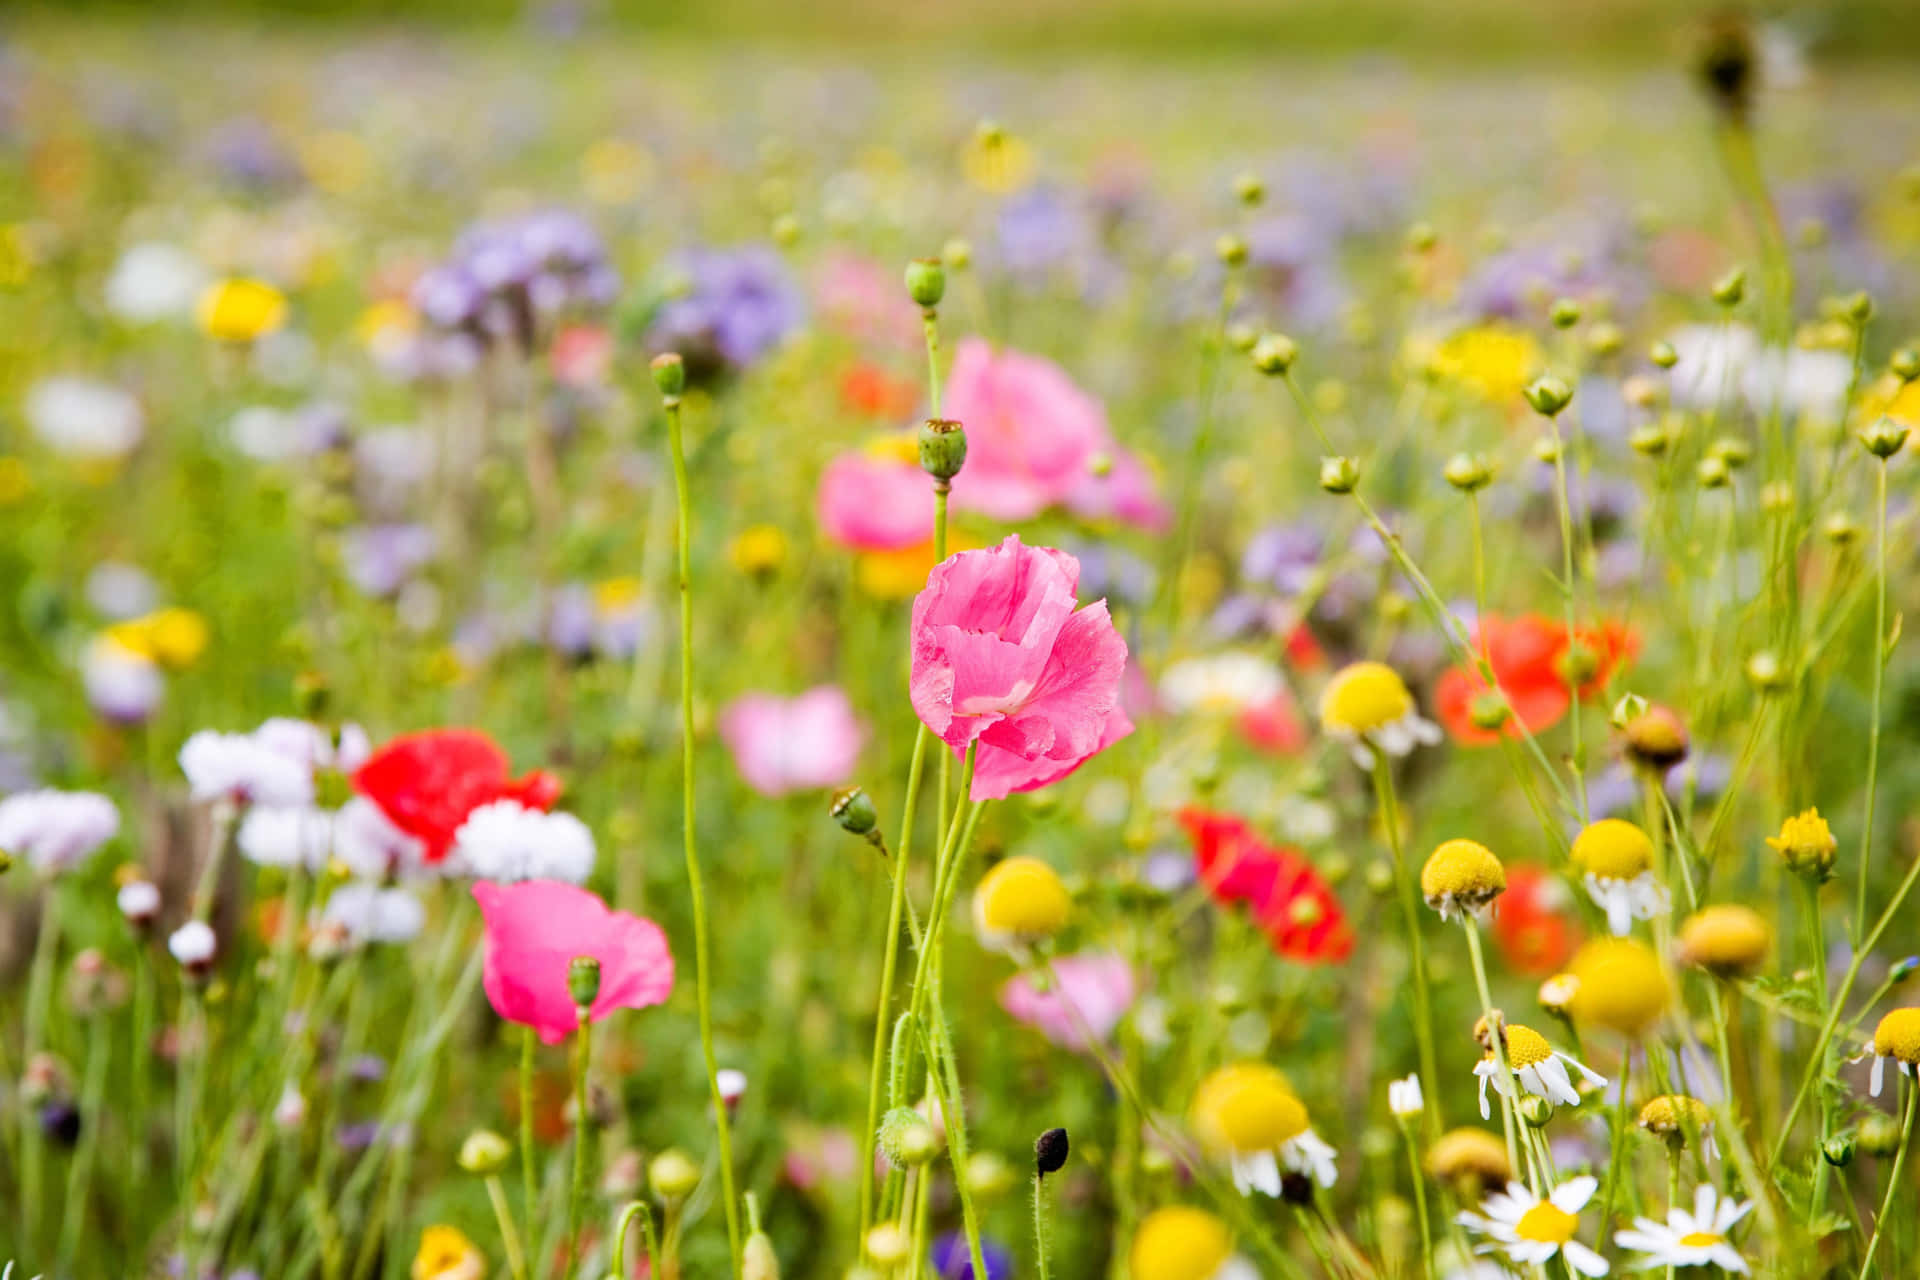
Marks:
<point>1900,970</point>
<point>1663,355</point>
<point>1468,472</point>
<point>1379,878</point>
<point>1605,339</point>
<point>673,1175</point>
<point>1488,710</point>
<point>1249,190</point>
<point>1879,1134</point>
<point>1838,1150</point>
<point>1241,336</point>
<point>1649,441</point>
<point>1546,450</point>
<point>1776,498</point>
<point>1765,672</point>
<point>311,695</point>
<point>1858,307</point>
<point>1275,353</point>
<point>853,809</point>
<point>1905,364</point>
<point>786,230</point>
<point>943,448</point>
<point>1536,1110</point>
<point>1840,529</point>
<point>957,253</point>
<point>1627,708</point>
<point>669,373</point>
<point>1421,237</point>
<point>1732,450</point>
<point>1730,288</point>
<point>1712,473</point>
<point>888,1245</point>
<point>926,282</point>
<point>1548,395</point>
<point>1884,438</point>
<point>907,1139</point>
<point>485,1152</point>
<point>1339,475</point>
<point>1565,313</point>
<point>583,981</point>
<point>1230,249</point>
<point>758,1261</point>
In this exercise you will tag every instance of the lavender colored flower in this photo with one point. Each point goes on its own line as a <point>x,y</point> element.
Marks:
<point>738,304</point>
<point>953,1261</point>
<point>248,153</point>
<point>508,279</point>
<point>1294,274</point>
<point>382,558</point>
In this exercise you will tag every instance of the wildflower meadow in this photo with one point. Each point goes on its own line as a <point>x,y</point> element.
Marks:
<point>635,652</point>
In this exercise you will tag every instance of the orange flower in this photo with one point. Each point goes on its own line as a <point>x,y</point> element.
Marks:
<point>1530,656</point>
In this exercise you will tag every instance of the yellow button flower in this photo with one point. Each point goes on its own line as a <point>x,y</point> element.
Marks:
<point>1368,705</point>
<point>1461,877</point>
<point>1018,903</point>
<point>173,637</point>
<point>1491,360</point>
<point>1671,1117</point>
<point>1621,986</point>
<point>1179,1243</point>
<point>1897,1037</point>
<point>1469,1160</point>
<point>759,551</point>
<point>445,1254</point>
<point>1726,939</point>
<point>239,309</point>
<point>1616,859</point>
<point>1248,1114</point>
<point>1806,844</point>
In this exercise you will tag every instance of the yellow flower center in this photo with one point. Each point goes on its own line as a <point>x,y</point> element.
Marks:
<point>1726,938</point>
<point>1247,1108</point>
<point>241,310</point>
<point>1179,1243</point>
<point>1613,850</point>
<point>1462,869</point>
<point>1701,1239</point>
<point>760,548</point>
<point>1526,1047</point>
<point>1546,1223</point>
<point>1898,1035</point>
<point>1492,360</point>
<point>1622,987</point>
<point>1363,698</point>
<point>1021,898</point>
<point>1672,1112</point>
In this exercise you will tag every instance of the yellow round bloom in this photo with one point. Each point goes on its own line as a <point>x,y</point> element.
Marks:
<point>1470,1159</point>
<point>1019,902</point>
<point>1462,876</point>
<point>1725,939</point>
<point>1493,361</point>
<point>1621,986</point>
<point>759,550</point>
<point>1525,1046</point>
<point>1898,1036</point>
<point>445,1254</point>
<point>997,162</point>
<point>1247,1108</point>
<point>173,637</point>
<point>1673,1115</point>
<point>1806,844</point>
<point>1363,698</point>
<point>1612,849</point>
<point>1179,1243</point>
<point>239,309</point>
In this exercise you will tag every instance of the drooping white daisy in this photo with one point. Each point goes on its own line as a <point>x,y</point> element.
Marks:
<point>505,841</point>
<point>1248,1114</point>
<point>1220,684</point>
<point>55,831</point>
<point>1539,1068</point>
<point>1530,1230</point>
<point>1697,1239</point>
<point>1369,707</point>
<point>1616,858</point>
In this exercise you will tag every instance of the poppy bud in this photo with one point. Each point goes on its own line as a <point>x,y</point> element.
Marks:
<point>484,1152</point>
<point>673,1175</point>
<point>1605,339</point>
<point>1050,1152</point>
<point>926,282</point>
<point>1488,710</point>
<point>1884,438</point>
<point>1905,364</point>
<point>583,981</point>
<point>669,374</point>
<point>853,809</point>
<point>1727,62</point>
<point>1548,395</point>
<point>943,448</point>
<point>1663,355</point>
<point>907,1139</point>
<point>1657,739</point>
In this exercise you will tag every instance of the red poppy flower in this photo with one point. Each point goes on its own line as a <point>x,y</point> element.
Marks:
<point>1274,726</point>
<point>427,783</point>
<point>1528,656</point>
<point>870,390</point>
<point>1532,926</point>
<point>1291,903</point>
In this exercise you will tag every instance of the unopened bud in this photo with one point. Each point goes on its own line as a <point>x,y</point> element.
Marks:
<point>1468,472</point>
<point>1905,364</point>
<point>1565,313</point>
<point>1765,672</point>
<point>1730,288</point>
<point>1339,475</point>
<point>926,282</point>
<point>1713,473</point>
<point>1275,353</point>
<point>1732,450</point>
<point>1858,307</point>
<point>888,1245</point>
<point>1838,1150</point>
<point>853,809</point>
<point>1657,739</point>
<point>1663,355</point>
<point>1548,395</point>
<point>1488,710</point>
<point>1879,1134</point>
<point>1050,1152</point>
<point>943,448</point>
<point>484,1152</point>
<point>673,1175</point>
<point>1249,190</point>
<point>1884,438</point>
<point>669,374</point>
<point>907,1139</point>
<point>1649,441</point>
<point>957,253</point>
<point>1536,1110</point>
<point>1230,249</point>
<point>583,981</point>
<point>1605,339</point>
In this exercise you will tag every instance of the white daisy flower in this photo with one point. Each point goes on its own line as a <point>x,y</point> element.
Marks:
<point>1697,1239</point>
<point>505,841</point>
<point>1220,684</point>
<point>1248,1114</point>
<point>1617,859</point>
<point>1530,1231</point>
<point>1368,707</point>
<point>55,831</point>
<point>85,419</point>
<point>1539,1068</point>
<point>1404,1097</point>
<point>242,768</point>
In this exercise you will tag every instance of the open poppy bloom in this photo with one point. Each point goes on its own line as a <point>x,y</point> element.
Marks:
<point>1293,906</point>
<point>428,783</point>
<point>1529,656</point>
<point>535,930</point>
<point>1533,926</point>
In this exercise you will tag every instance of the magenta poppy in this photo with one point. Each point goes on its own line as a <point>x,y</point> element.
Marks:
<point>535,930</point>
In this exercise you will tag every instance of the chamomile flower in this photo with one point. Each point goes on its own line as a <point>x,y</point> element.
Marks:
<point>1897,1037</point>
<point>1368,707</point>
<point>1248,1114</point>
<point>1404,1098</point>
<point>1461,878</point>
<point>1019,902</point>
<point>1469,1160</point>
<point>1537,1066</point>
<point>1806,844</point>
<point>1224,683</point>
<point>1674,1118</point>
<point>1531,1231</point>
<point>1697,1239</point>
<point>1619,985</point>
<point>1616,859</point>
<point>1183,1243</point>
<point>1726,939</point>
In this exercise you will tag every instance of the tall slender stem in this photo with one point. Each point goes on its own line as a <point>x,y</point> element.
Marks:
<point>702,961</point>
<point>1879,673</point>
<point>528,1194</point>
<point>581,1125</point>
<point>1496,1035</point>
<point>1410,912</point>
<point>1894,1178</point>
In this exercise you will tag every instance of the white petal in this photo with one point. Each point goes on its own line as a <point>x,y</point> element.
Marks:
<point>1572,1195</point>
<point>1584,1260</point>
<point>1703,1202</point>
<point>1879,1065</point>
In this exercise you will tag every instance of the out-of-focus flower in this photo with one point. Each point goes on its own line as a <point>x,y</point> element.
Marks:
<point>1696,1239</point>
<point>1806,844</point>
<point>1368,707</point>
<point>1720,364</point>
<point>245,768</point>
<point>1532,925</point>
<point>445,1254</point>
<point>952,1258</point>
<point>536,929</point>
<point>997,161</point>
<point>382,558</point>
<point>863,299</point>
<point>1089,995</point>
<point>85,419</point>
<point>506,842</point>
<point>738,305</point>
<point>1221,684</point>
<point>1727,939</point>
<point>1003,656</point>
<point>428,783</point>
<point>173,637</point>
<point>781,745</point>
<point>1290,901</point>
<point>1404,1098</point>
<point>1183,1243</point>
<point>1019,902</point>
<point>872,392</point>
<point>240,310</point>
<point>1493,361</point>
<point>1620,986</point>
<point>1533,1066</point>
<point>122,686</point>
<point>56,831</point>
<point>1532,659</point>
<point>1896,1037</point>
<point>154,281</point>
<point>1530,1230</point>
<point>877,499</point>
<point>370,913</point>
<point>192,944</point>
<point>286,836</point>
<point>1247,1114</point>
<point>1616,858</point>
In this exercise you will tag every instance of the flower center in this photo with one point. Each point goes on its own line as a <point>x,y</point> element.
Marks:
<point>1611,849</point>
<point>1546,1223</point>
<point>1365,697</point>
<point>1526,1047</point>
<point>1701,1239</point>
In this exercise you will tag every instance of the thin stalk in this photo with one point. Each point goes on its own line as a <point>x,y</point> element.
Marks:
<point>509,1237</point>
<point>1040,1224</point>
<point>1497,1034</point>
<point>529,1197</point>
<point>581,1124</point>
<point>1410,912</point>
<point>1894,1178</point>
<point>1879,673</point>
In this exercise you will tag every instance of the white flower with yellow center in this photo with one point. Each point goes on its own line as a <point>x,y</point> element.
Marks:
<point>1697,1239</point>
<point>1248,1114</point>
<point>1530,1231</point>
<point>1897,1037</point>
<point>1220,684</point>
<point>1540,1069</point>
<point>1616,859</point>
<point>1461,878</point>
<point>1367,706</point>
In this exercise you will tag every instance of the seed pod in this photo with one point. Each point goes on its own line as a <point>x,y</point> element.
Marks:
<point>1050,1152</point>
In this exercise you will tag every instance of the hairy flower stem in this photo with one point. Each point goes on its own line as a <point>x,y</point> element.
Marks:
<point>1040,1224</point>
<point>582,1123</point>
<point>1895,1178</point>
<point>636,1209</point>
<point>1403,874</point>
<point>702,957</point>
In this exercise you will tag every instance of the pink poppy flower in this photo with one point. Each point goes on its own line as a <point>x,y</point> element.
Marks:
<point>1125,492</point>
<point>1002,655</point>
<point>1032,435</point>
<point>782,745</point>
<point>1093,991</point>
<point>534,931</point>
<point>875,503</point>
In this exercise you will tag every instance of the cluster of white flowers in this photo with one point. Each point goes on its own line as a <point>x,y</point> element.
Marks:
<point>55,831</point>
<point>505,841</point>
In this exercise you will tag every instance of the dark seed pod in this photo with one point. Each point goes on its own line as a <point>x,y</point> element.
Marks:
<point>1050,1151</point>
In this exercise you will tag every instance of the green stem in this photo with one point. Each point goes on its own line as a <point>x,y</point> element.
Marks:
<point>1410,912</point>
<point>1894,1179</point>
<point>1879,672</point>
<point>1040,1224</point>
<point>637,1209</point>
<point>509,1237</point>
<point>1496,1034</point>
<point>582,1122</point>
<point>528,1195</point>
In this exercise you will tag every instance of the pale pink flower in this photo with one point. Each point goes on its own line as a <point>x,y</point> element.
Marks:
<point>873,502</point>
<point>1033,437</point>
<point>537,928</point>
<point>864,300</point>
<point>1003,655</point>
<point>1092,991</point>
<point>802,743</point>
<point>1125,493</point>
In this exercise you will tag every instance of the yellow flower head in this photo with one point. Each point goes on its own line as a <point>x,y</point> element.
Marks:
<point>759,550</point>
<point>617,595</point>
<point>1725,939</point>
<point>1247,1108</point>
<point>1493,361</point>
<point>1889,397</point>
<point>241,310</point>
<point>174,637</point>
<point>1622,987</point>
<point>445,1254</point>
<point>1806,843</point>
<point>1179,1243</point>
<point>1462,875</point>
<point>1470,1159</point>
<point>1019,902</point>
<point>1612,849</point>
<point>1525,1047</point>
<point>1673,1115</point>
<point>997,162</point>
<point>1363,698</point>
<point>1898,1036</point>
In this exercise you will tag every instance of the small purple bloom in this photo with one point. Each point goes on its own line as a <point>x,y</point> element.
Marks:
<point>953,1260</point>
<point>739,304</point>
